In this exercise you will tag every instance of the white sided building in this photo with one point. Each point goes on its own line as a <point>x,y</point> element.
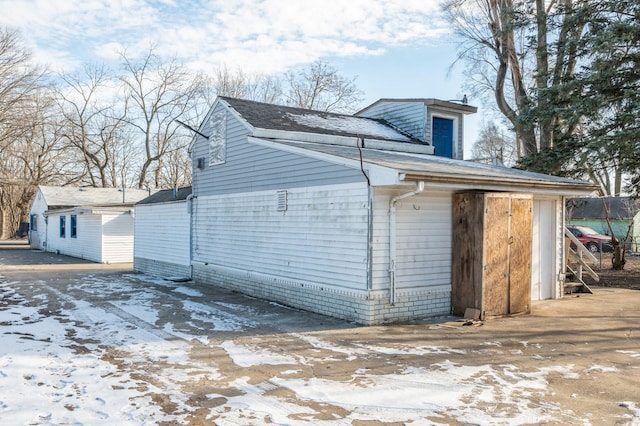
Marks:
<point>162,234</point>
<point>89,223</point>
<point>356,216</point>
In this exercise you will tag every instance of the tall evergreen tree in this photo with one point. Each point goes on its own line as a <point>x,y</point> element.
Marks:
<point>601,103</point>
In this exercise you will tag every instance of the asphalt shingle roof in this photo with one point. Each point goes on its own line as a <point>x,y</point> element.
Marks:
<point>593,208</point>
<point>167,195</point>
<point>58,197</point>
<point>278,117</point>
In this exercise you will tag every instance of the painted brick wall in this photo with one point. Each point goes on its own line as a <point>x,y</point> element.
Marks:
<point>361,307</point>
<point>160,268</point>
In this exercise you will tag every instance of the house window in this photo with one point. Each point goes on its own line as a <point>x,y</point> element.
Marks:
<point>63,230</point>
<point>73,226</point>
<point>218,138</point>
<point>34,222</point>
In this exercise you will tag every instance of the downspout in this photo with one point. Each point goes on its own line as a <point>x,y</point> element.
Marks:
<point>392,238</point>
<point>190,210</point>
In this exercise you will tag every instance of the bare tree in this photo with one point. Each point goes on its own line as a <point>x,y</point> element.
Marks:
<point>157,93</point>
<point>506,46</point>
<point>19,79</point>
<point>94,123</point>
<point>255,87</point>
<point>20,83</point>
<point>176,170</point>
<point>320,87</point>
<point>494,144</point>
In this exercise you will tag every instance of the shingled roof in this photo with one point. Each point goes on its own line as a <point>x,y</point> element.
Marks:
<point>283,118</point>
<point>593,208</point>
<point>60,197</point>
<point>167,196</point>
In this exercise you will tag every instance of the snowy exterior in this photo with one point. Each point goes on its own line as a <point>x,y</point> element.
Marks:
<point>340,216</point>
<point>162,234</point>
<point>90,223</point>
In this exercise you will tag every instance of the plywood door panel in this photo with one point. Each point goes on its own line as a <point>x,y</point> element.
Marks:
<point>520,255</point>
<point>466,265</point>
<point>496,253</point>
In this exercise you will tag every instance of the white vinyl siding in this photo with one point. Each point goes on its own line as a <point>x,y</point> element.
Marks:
<point>423,243</point>
<point>408,116</point>
<point>320,239</point>
<point>117,238</point>
<point>161,235</point>
<point>250,167</point>
<point>90,237</point>
<point>102,238</point>
<point>38,238</point>
<point>87,244</point>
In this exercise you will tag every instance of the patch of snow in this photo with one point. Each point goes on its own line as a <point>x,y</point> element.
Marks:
<point>353,125</point>
<point>635,412</point>
<point>419,350</point>
<point>601,369</point>
<point>249,355</point>
<point>188,291</point>
<point>632,354</point>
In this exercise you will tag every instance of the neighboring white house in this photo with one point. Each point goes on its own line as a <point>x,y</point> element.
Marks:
<point>90,223</point>
<point>162,234</point>
<point>351,216</point>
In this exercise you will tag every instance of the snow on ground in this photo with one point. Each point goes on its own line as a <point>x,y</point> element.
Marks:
<point>83,365</point>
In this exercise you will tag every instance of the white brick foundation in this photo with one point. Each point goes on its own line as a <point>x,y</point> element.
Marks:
<point>161,269</point>
<point>368,308</point>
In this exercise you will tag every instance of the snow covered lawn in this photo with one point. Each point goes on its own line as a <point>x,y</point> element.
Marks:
<point>106,349</point>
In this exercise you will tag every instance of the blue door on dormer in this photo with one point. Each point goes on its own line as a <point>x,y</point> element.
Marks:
<point>442,136</point>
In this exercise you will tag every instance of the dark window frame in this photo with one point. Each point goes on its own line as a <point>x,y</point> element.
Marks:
<point>63,227</point>
<point>73,226</point>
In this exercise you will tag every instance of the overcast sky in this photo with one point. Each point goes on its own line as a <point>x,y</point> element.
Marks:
<point>394,48</point>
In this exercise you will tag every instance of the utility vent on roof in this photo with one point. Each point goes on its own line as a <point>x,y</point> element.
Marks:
<point>282,201</point>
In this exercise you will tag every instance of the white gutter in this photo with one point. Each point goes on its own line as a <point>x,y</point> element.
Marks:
<point>392,237</point>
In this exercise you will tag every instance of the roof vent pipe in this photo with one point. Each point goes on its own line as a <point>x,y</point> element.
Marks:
<point>392,238</point>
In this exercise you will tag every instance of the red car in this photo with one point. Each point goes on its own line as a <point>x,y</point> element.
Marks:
<point>591,239</point>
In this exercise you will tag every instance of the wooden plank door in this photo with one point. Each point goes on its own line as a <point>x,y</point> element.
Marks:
<point>496,255</point>
<point>520,252</point>
<point>467,263</point>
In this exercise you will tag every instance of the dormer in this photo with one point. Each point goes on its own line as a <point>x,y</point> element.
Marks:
<point>433,121</point>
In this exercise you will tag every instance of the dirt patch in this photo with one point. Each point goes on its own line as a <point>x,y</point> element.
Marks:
<point>629,277</point>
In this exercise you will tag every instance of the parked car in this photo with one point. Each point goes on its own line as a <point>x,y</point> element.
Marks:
<point>591,239</point>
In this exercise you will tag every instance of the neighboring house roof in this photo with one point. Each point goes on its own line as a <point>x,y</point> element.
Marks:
<point>282,118</point>
<point>593,208</point>
<point>167,195</point>
<point>59,197</point>
<point>415,167</point>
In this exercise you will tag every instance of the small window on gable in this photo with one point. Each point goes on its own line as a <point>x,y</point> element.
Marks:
<point>34,222</point>
<point>73,226</point>
<point>63,227</point>
<point>218,138</point>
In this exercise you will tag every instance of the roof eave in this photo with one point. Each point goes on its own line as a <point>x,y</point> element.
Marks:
<point>348,141</point>
<point>565,187</point>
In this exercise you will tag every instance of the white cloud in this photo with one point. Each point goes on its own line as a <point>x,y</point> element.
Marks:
<point>257,36</point>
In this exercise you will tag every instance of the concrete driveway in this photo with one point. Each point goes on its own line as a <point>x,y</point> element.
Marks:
<point>181,353</point>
